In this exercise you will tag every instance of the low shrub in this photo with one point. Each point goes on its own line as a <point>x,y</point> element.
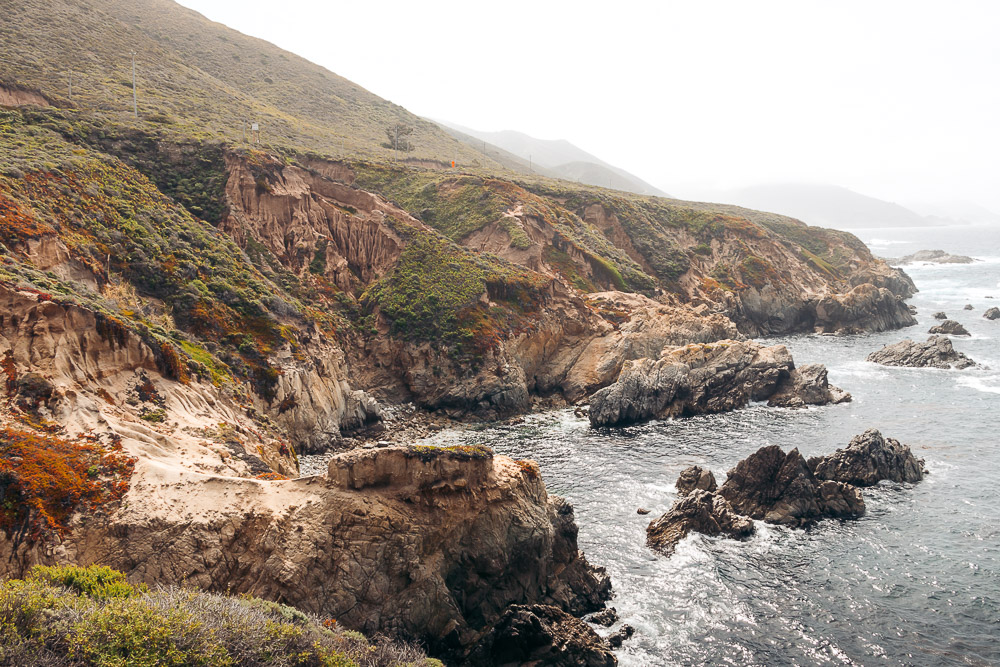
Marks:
<point>92,616</point>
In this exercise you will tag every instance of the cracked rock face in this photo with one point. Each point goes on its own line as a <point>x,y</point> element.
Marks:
<point>869,459</point>
<point>780,488</point>
<point>935,352</point>
<point>700,511</point>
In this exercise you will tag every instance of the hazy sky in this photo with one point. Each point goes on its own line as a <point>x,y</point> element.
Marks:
<point>898,100</point>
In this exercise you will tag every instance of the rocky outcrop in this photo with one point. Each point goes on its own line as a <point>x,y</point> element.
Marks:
<point>969,306</point>
<point>700,379</point>
<point>950,328</point>
<point>695,478</point>
<point>864,308</point>
<point>780,488</point>
<point>940,316</point>
<point>544,635</point>
<point>433,545</point>
<point>783,489</point>
<point>891,278</point>
<point>933,257</point>
<point>992,314</point>
<point>700,511</point>
<point>807,385</point>
<point>869,459</point>
<point>936,352</point>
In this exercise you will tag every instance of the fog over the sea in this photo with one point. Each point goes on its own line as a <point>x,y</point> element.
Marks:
<point>898,100</point>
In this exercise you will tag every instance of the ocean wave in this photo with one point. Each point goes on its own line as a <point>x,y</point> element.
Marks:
<point>987,385</point>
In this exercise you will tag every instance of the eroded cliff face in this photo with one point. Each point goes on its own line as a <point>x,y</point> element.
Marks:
<point>317,225</point>
<point>102,378</point>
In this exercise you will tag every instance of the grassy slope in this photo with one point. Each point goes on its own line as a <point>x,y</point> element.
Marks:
<point>200,78</point>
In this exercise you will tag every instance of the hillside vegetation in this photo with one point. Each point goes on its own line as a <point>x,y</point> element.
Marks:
<point>92,616</point>
<point>200,79</point>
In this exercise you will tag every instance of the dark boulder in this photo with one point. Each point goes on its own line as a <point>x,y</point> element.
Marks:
<point>544,635</point>
<point>940,316</point>
<point>696,477</point>
<point>699,511</point>
<point>969,306</point>
<point>616,639</point>
<point>869,459</point>
<point>936,352</point>
<point>780,488</point>
<point>950,327</point>
<point>992,314</point>
<point>807,385</point>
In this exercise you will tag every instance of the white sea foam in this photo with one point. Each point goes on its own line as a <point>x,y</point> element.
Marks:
<point>988,385</point>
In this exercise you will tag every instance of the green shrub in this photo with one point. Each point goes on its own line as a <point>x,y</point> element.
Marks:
<point>75,616</point>
<point>96,581</point>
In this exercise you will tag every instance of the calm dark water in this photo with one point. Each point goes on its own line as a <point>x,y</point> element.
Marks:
<point>915,582</point>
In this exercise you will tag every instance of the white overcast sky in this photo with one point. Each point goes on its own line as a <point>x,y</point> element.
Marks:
<point>895,99</point>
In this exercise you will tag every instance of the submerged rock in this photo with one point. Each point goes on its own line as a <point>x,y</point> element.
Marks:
<point>780,488</point>
<point>605,618</point>
<point>869,459</point>
<point>992,314</point>
<point>545,635</point>
<point>940,316</point>
<point>969,306</point>
<point>696,478</point>
<point>807,385</point>
<point>705,379</point>
<point>950,327</point>
<point>700,511</point>
<point>936,352</point>
<point>616,639</point>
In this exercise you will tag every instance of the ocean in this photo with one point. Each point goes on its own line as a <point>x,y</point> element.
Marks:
<point>914,582</point>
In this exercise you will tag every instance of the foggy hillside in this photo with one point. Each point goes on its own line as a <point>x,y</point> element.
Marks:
<point>558,158</point>
<point>824,205</point>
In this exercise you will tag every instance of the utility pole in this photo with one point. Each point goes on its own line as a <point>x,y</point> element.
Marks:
<point>395,147</point>
<point>135,98</point>
<point>529,163</point>
<point>244,130</point>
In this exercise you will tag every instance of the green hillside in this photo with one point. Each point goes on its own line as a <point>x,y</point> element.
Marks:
<point>200,78</point>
